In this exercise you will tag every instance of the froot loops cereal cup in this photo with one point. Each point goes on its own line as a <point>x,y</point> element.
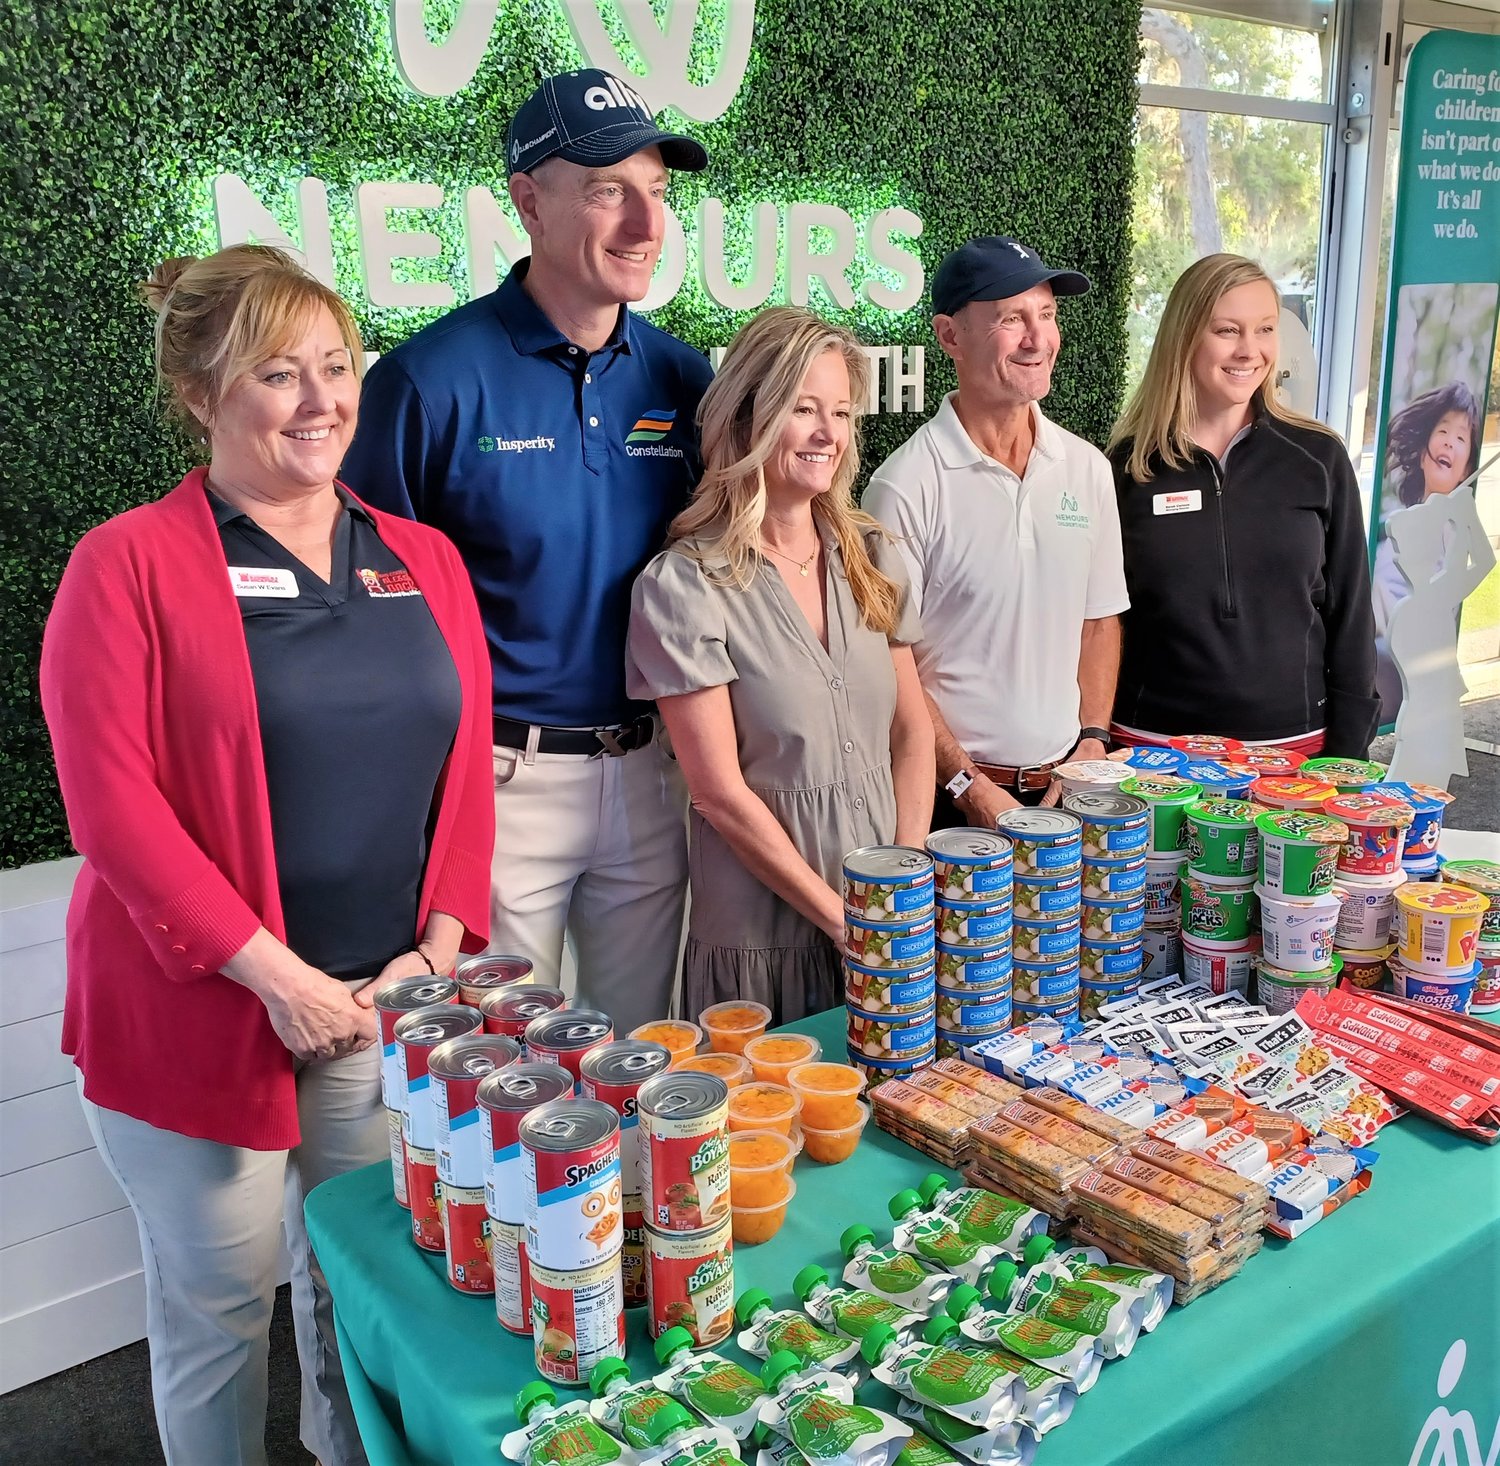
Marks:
<point>1437,926</point>
<point>1347,775</point>
<point>752,1225</point>
<point>1483,877</point>
<point>730,1026</point>
<point>1222,839</point>
<point>677,1037</point>
<point>1204,745</point>
<point>1167,798</point>
<point>1297,932</point>
<point>774,1055</point>
<point>1280,990</point>
<point>1220,907</point>
<point>733,1069</point>
<point>1367,911</point>
<point>829,1092</point>
<point>758,1106</point>
<point>1377,824</point>
<point>1299,851</point>
<point>1291,792</point>
<point>1450,992</point>
<point>1486,997</point>
<point>829,1147</point>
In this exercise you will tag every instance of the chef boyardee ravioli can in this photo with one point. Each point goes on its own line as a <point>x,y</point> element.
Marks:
<point>1045,842</point>
<point>684,1130</point>
<point>570,1168</point>
<point>690,1282</point>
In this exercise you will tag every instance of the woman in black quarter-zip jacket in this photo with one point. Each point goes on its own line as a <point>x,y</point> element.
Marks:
<point>1244,540</point>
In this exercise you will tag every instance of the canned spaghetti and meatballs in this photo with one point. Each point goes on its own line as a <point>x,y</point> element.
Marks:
<point>690,1282</point>
<point>1223,966</point>
<point>510,1011</point>
<point>1048,898</point>
<point>1045,941</point>
<point>888,1036</point>
<point>1167,798</point>
<point>1044,842</point>
<point>418,1033</point>
<point>889,943</point>
<point>684,1120</point>
<point>1110,962</point>
<point>1110,880</point>
<point>577,1319</point>
<point>888,882</point>
<point>392,999</point>
<point>1113,824</point>
<point>565,1036</point>
<point>887,990</point>
<point>970,865</point>
<point>973,968</point>
<point>570,1166</point>
<point>974,926</point>
<point>613,1074</point>
<point>398,1158</point>
<point>1114,921</point>
<point>1222,838</point>
<point>478,976</point>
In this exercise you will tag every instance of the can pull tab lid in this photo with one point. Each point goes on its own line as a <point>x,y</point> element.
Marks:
<point>573,1031</point>
<point>557,1127</point>
<point>478,1064</point>
<point>422,1033</point>
<point>634,1063</point>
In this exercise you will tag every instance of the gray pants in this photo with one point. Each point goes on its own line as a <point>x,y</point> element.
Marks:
<point>209,1217</point>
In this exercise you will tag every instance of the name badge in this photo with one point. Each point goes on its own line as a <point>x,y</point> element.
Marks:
<point>1189,501</point>
<point>251,580</point>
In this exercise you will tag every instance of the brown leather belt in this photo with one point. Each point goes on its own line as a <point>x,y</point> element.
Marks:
<point>1037,776</point>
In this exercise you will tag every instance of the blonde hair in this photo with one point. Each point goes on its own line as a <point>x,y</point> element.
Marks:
<point>218,317</point>
<point>1160,416</point>
<point>741,417</point>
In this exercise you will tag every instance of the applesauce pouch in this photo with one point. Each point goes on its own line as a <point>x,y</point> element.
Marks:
<point>979,1391</point>
<point>1012,1443</point>
<point>852,1312</point>
<point>1064,1351</point>
<point>1089,1264</point>
<point>1111,1316</point>
<point>720,1390</point>
<point>815,1411</point>
<point>922,1450</point>
<point>983,1215</point>
<point>894,1274</point>
<point>938,1240</point>
<point>767,1330</point>
<point>561,1435</point>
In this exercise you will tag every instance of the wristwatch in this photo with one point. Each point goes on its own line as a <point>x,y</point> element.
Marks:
<point>959,784</point>
<point>1102,734</point>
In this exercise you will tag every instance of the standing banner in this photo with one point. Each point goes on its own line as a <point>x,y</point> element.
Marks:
<point>1428,547</point>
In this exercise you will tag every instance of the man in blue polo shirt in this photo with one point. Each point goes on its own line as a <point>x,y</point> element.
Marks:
<point>550,434</point>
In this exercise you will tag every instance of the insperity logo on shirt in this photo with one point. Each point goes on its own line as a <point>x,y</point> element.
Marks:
<point>644,440</point>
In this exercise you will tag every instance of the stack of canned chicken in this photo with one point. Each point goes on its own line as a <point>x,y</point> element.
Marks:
<point>973,875</point>
<point>889,959</point>
<point>1047,864</point>
<point>1116,830</point>
<point>1483,878</point>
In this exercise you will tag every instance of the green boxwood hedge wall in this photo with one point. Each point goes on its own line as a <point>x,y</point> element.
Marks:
<point>982,116</point>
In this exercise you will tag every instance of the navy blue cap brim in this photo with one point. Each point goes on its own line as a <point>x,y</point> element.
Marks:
<point>610,145</point>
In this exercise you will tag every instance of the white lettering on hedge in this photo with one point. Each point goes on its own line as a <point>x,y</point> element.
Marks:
<point>380,246</point>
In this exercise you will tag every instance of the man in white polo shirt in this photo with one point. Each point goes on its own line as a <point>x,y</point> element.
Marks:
<point>1009,528</point>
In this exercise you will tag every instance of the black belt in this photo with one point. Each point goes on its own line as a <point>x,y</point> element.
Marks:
<point>616,740</point>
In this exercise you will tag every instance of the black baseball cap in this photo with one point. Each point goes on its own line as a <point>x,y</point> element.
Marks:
<point>995,267</point>
<point>593,119</point>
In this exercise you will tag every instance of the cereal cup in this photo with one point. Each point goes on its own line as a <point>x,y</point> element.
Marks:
<point>829,1094</point>
<point>1161,952</point>
<point>887,990</point>
<point>1377,824</point>
<point>1091,775</point>
<point>1291,791</point>
<point>774,1055</point>
<point>1219,780</point>
<point>1280,990</point>
<point>1482,876</point>
<point>1167,798</point>
<point>1299,851</point>
<point>1204,745</point>
<point>1114,921</point>
<point>730,1026</point>
<point>1427,805</point>
<point>1044,842</point>
<point>1113,880</point>
<point>1347,775</point>
<point>887,1036</point>
<point>1449,992</point>
<point>1222,839</point>
<point>970,865</point>
<point>888,882</point>
<point>974,925</point>
<point>829,1147</point>
<point>1367,970</point>
<point>752,1225</point>
<point>1437,926</point>
<point>1367,911</point>
<point>678,1037</point>
<point>1114,825</point>
<point>973,968</point>
<point>1223,966</point>
<point>1486,997</point>
<point>1297,932</point>
<point>733,1069</point>
<point>758,1106</point>
<point>1150,759</point>
<point>1267,759</point>
<point>757,1161</point>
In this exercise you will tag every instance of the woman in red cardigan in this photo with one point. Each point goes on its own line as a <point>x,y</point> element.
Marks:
<point>270,707</point>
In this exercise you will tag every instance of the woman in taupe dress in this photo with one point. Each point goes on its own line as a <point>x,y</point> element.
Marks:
<point>775,634</point>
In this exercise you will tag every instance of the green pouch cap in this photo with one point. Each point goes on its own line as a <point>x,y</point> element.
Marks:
<point>528,1397</point>
<point>782,1363</point>
<point>903,1202</point>
<point>750,1302</point>
<point>873,1344</point>
<point>808,1279</point>
<point>940,1329</point>
<point>674,1341</point>
<point>1037,1247</point>
<point>1002,1280</point>
<point>609,1368</point>
<point>665,1421</point>
<point>931,1185</point>
<point>851,1237</point>
<point>962,1299</point>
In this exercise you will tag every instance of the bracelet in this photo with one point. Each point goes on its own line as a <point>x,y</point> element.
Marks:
<point>428,960</point>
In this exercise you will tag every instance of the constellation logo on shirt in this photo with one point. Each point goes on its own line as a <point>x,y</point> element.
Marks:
<point>650,428</point>
<point>1068,513</point>
<point>389,582</point>
<point>515,445</point>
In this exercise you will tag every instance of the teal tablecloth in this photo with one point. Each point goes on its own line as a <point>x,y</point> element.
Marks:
<point>1327,1349</point>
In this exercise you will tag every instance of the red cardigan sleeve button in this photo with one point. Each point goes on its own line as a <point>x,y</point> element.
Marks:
<point>197,967</point>
<point>161,926</point>
<point>178,951</point>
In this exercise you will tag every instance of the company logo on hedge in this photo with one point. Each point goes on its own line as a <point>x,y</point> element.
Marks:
<point>851,258</point>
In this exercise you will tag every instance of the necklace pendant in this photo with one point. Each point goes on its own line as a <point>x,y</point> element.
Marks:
<point>803,569</point>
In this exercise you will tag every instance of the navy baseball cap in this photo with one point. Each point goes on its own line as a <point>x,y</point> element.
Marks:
<point>994,267</point>
<point>593,119</point>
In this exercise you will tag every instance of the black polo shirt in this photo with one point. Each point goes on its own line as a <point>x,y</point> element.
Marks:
<point>358,701</point>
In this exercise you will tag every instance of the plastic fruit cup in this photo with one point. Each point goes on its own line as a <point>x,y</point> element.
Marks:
<point>758,1159</point>
<point>733,1069</point>
<point>774,1055</point>
<point>730,1026</point>
<point>763,1107</point>
<point>679,1038</point>
<point>829,1147</point>
<point>829,1093</point>
<point>754,1224</point>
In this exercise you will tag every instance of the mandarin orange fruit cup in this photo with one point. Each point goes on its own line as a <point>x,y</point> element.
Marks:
<point>758,1159</point>
<point>733,1069</point>
<point>762,1107</point>
<point>755,1224</point>
<point>678,1037</point>
<point>774,1055</point>
<point>829,1094</point>
<point>730,1026</point>
<point>829,1147</point>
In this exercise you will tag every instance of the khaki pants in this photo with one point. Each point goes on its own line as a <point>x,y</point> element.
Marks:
<point>209,1217</point>
<point>594,849</point>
